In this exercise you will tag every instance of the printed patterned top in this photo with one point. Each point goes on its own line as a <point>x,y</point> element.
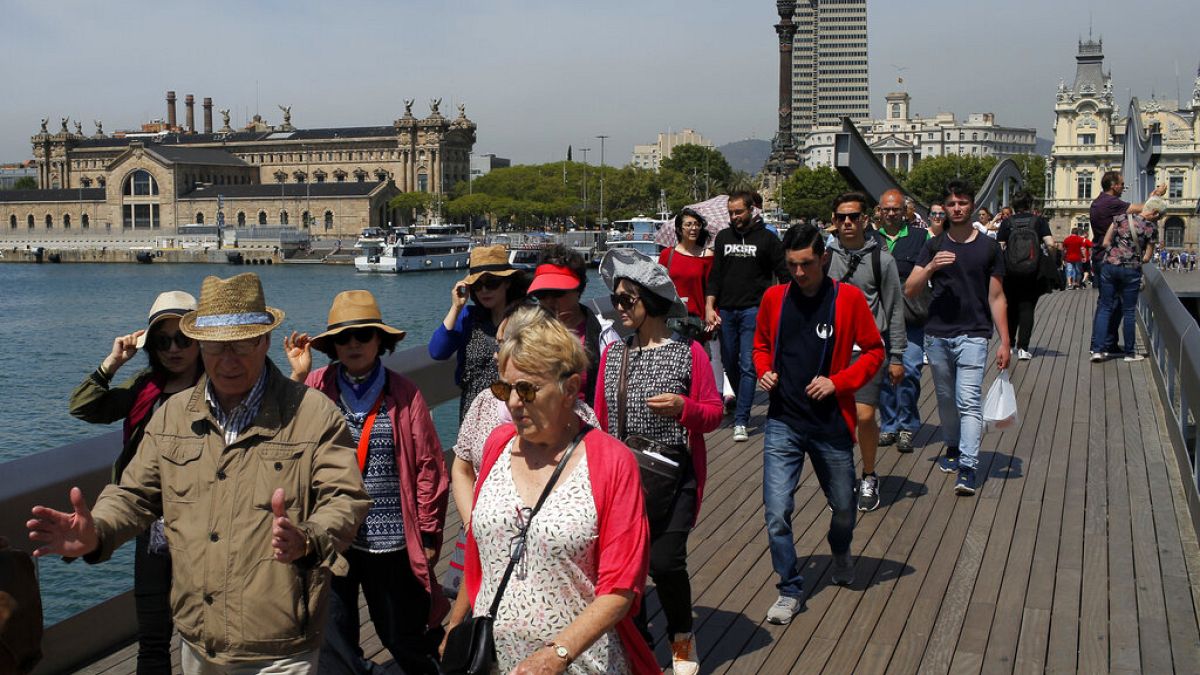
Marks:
<point>1124,250</point>
<point>485,414</point>
<point>666,369</point>
<point>555,580</point>
<point>383,529</point>
<point>479,369</point>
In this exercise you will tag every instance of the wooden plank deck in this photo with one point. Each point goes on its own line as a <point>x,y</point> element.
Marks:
<point>1077,555</point>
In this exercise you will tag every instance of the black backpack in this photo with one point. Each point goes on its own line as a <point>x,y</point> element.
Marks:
<point>1023,252</point>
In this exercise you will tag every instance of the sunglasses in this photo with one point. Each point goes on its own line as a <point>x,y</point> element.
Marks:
<point>239,348</point>
<point>623,301</point>
<point>937,216</point>
<point>526,390</point>
<point>360,335</point>
<point>847,216</point>
<point>488,283</point>
<point>162,342</point>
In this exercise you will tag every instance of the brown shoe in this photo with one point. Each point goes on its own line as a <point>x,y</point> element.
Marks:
<point>683,655</point>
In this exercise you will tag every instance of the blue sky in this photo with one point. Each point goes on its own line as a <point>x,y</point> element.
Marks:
<point>538,75</point>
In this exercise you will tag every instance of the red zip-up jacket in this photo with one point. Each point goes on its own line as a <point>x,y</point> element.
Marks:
<point>853,324</point>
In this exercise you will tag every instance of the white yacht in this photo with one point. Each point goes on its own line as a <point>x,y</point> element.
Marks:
<point>415,253</point>
<point>639,233</point>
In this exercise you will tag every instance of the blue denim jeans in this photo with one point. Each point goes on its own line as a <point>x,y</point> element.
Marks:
<point>1119,288</point>
<point>737,351</point>
<point>783,460</point>
<point>898,409</point>
<point>957,364</point>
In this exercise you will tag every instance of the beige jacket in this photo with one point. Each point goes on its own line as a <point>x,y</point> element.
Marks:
<point>229,597</point>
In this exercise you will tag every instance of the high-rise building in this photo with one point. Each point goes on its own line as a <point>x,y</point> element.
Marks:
<point>829,64</point>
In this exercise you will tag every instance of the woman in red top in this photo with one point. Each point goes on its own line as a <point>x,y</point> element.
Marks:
<point>689,263</point>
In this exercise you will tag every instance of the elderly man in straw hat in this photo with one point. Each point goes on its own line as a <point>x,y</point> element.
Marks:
<point>255,478</point>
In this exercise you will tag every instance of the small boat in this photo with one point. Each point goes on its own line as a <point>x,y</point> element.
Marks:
<point>416,253</point>
<point>638,233</point>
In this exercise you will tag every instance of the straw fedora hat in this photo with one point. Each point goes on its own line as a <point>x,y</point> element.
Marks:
<point>491,260</point>
<point>350,310</point>
<point>169,305</point>
<point>231,309</point>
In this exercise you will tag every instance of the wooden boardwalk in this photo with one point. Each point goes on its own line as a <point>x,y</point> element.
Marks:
<point>1077,555</point>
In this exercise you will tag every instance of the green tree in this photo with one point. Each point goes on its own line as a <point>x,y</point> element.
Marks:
<point>929,176</point>
<point>808,192</point>
<point>25,183</point>
<point>1033,171</point>
<point>411,204</point>
<point>700,163</point>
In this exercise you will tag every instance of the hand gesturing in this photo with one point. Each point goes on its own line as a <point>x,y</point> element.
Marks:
<point>66,534</point>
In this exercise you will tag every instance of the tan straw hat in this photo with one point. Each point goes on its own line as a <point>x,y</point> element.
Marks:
<point>169,305</point>
<point>350,310</point>
<point>491,260</point>
<point>231,309</point>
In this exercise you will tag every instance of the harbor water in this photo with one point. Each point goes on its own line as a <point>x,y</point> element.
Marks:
<point>57,323</point>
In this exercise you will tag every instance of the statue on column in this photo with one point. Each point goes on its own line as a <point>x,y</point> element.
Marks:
<point>79,128</point>
<point>99,127</point>
<point>45,121</point>
<point>225,119</point>
<point>408,104</point>
<point>64,124</point>
<point>433,106</point>
<point>287,116</point>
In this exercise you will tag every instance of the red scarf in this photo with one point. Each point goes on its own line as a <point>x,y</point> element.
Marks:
<point>143,404</point>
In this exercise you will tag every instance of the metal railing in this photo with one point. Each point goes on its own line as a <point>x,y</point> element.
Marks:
<point>1174,340</point>
<point>47,477</point>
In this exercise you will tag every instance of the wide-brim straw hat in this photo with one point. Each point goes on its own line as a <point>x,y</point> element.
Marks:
<point>169,305</point>
<point>231,309</point>
<point>491,260</point>
<point>627,263</point>
<point>351,310</point>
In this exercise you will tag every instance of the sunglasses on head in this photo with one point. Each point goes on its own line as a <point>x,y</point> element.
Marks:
<point>526,390</point>
<point>162,342</point>
<point>489,283</point>
<point>623,301</point>
<point>360,335</point>
<point>855,215</point>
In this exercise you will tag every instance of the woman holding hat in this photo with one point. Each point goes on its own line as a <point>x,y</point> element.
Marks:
<point>659,386</point>
<point>393,554</point>
<point>175,365</point>
<point>469,331</point>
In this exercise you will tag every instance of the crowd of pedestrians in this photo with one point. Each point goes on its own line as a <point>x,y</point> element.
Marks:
<point>580,464</point>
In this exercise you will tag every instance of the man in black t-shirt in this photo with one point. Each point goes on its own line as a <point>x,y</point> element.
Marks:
<point>1022,291</point>
<point>966,269</point>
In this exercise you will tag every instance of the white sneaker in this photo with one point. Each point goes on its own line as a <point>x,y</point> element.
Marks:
<point>1023,355</point>
<point>1134,358</point>
<point>739,433</point>
<point>783,610</point>
<point>1097,357</point>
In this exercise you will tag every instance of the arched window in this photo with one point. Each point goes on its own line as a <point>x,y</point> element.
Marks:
<point>283,218</point>
<point>84,221</point>
<point>241,219</point>
<point>304,220</point>
<point>262,217</point>
<point>12,222</point>
<point>87,182</point>
<point>1173,232</point>
<point>329,220</point>
<point>101,181</point>
<point>49,222</point>
<point>140,184</point>
<point>299,176</point>
<point>29,221</point>
<point>66,221</point>
<point>199,217</point>
<point>381,175</point>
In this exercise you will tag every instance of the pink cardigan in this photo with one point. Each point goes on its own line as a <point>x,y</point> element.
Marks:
<point>623,545</point>
<point>702,411</point>
<point>424,485</point>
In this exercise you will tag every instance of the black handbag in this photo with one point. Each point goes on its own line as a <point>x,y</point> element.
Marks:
<point>470,646</point>
<point>660,479</point>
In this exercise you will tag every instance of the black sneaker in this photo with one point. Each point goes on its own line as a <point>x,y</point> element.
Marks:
<point>965,485</point>
<point>904,441</point>
<point>887,438</point>
<point>868,493</point>
<point>948,462</point>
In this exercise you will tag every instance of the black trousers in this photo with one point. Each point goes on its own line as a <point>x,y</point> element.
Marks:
<point>1022,301</point>
<point>668,561</point>
<point>399,608</point>
<point>152,600</point>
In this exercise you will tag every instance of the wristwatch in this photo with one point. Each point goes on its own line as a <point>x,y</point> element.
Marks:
<point>560,651</point>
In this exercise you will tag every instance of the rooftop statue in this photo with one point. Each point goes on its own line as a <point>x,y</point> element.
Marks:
<point>45,121</point>
<point>433,106</point>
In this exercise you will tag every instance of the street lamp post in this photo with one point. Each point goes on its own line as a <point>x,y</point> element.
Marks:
<point>585,165</point>
<point>602,137</point>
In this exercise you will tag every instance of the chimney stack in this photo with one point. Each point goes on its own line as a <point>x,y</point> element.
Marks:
<point>207,115</point>
<point>171,111</point>
<point>189,102</point>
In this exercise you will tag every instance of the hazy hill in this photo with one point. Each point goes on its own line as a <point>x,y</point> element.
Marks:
<point>748,155</point>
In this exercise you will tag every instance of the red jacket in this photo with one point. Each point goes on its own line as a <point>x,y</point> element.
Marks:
<point>424,485</point>
<point>853,324</point>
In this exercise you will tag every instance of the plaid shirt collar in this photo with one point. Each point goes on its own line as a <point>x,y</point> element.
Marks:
<point>235,421</point>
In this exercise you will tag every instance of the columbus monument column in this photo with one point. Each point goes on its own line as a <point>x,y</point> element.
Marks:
<point>784,159</point>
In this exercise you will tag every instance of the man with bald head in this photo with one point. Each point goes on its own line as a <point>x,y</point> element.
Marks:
<point>899,416</point>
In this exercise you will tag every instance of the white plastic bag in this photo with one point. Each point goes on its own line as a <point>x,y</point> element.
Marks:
<point>1000,406</point>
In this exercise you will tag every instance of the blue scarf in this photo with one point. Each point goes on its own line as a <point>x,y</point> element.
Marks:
<point>358,397</point>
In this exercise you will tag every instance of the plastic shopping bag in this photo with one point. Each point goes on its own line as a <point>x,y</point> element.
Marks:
<point>1000,406</point>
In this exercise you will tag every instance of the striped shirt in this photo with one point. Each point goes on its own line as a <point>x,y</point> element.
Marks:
<point>234,422</point>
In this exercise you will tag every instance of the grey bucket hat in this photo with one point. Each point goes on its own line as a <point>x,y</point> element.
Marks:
<point>626,263</point>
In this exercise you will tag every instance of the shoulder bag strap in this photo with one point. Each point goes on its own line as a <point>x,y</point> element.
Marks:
<point>855,261</point>
<point>877,266</point>
<point>670,257</point>
<point>516,555</point>
<point>621,388</point>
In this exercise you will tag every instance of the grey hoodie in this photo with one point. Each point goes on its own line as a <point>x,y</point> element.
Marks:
<point>883,295</point>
